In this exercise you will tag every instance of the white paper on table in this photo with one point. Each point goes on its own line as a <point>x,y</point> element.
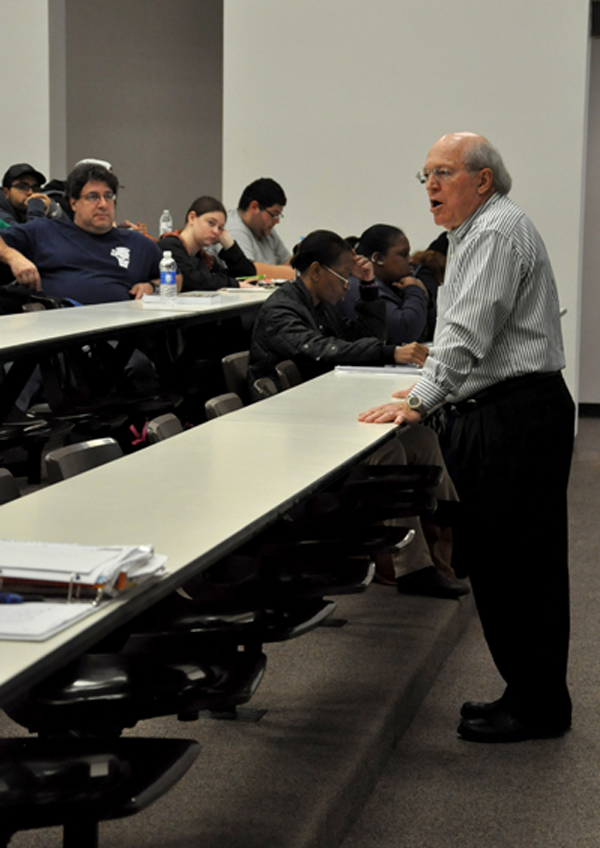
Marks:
<point>187,302</point>
<point>389,370</point>
<point>35,622</point>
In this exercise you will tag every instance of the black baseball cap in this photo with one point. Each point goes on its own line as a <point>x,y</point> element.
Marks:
<point>16,171</point>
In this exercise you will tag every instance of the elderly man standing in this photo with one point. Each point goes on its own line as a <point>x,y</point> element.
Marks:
<point>496,359</point>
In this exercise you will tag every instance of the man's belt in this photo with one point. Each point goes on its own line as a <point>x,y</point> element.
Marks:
<point>506,387</point>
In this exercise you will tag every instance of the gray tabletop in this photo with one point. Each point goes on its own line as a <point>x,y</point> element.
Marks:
<point>194,497</point>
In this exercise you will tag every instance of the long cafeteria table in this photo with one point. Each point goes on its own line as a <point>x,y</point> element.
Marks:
<point>195,498</point>
<point>50,329</point>
<point>29,337</point>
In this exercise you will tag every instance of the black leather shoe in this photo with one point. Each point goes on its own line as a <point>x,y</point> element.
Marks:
<point>480,709</point>
<point>431,583</point>
<point>500,726</point>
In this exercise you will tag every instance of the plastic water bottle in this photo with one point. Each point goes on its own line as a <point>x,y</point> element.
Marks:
<point>168,283</point>
<point>165,223</point>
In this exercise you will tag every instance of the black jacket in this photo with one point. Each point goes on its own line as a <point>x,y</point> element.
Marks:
<point>197,276</point>
<point>317,339</point>
<point>35,209</point>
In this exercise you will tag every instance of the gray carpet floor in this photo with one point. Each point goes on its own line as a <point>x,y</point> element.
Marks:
<point>358,745</point>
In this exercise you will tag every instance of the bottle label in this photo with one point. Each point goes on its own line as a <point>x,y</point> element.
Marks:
<point>167,278</point>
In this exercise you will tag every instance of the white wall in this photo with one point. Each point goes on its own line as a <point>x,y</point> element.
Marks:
<point>137,82</point>
<point>25,91</point>
<point>148,98</point>
<point>340,101</point>
<point>590,301</point>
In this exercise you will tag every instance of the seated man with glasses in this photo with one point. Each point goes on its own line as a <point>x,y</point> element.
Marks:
<point>252,225</point>
<point>88,259</point>
<point>22,198</point>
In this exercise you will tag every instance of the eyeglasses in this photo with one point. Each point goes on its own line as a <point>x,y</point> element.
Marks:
<point>441,174</point>
<point>94,197</point>
<point>344,280</point>
<point>276,216</point>
<point>26,187</point>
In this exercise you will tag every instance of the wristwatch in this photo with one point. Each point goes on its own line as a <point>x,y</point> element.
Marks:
<point>415,403</point>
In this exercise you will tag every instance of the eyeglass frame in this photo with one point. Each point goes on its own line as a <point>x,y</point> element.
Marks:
<point>21,186</point>
<point>274,215</point>
<point>344,280</point>
<point>94,197</point>
<point>442,175</point>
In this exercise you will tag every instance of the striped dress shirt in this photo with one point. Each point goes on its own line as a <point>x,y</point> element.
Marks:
<point>498,311</point>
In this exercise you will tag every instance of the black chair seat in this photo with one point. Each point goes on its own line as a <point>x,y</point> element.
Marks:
<point>416,477</point>
<point>103,693</point>
<point>76,783</point>
<point>239,583</point>
<point>177,618</point>
<point>341,536</point>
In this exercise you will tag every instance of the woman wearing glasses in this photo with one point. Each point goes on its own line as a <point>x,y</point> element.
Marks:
<point>204,227</point>
<point>300,322</point>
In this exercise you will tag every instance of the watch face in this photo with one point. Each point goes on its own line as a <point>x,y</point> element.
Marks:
<point>414,402</point>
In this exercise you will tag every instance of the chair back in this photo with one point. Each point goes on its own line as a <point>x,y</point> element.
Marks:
<point>163,427</point>
<point>288,374</point>
<point>222,404</point>
<point>265,387</point>
<point>235,372</point>
<point>9,490</point>
<point>75,459</point>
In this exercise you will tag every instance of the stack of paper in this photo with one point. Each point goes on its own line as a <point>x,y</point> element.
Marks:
<point>394,370</point>
<point>188,302</point>
<point>76,570</point>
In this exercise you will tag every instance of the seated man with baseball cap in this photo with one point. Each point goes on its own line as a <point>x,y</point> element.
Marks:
<point>22,198</point>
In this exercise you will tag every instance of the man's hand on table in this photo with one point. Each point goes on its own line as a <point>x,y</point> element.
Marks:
<point>390,413</point>
<point>140,289</point>
<point>399,413</point>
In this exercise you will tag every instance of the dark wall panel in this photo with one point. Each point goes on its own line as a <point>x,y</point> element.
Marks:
<point>144,83</point>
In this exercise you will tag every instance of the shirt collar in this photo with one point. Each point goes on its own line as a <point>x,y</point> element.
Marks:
<point>461,231</point>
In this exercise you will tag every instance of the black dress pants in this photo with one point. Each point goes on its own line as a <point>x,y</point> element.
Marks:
<point>512,454</point>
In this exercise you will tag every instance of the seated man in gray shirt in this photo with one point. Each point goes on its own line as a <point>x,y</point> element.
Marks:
<point>253,223</point>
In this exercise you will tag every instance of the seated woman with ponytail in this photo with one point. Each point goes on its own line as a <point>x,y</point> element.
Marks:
<point>201,271</point>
